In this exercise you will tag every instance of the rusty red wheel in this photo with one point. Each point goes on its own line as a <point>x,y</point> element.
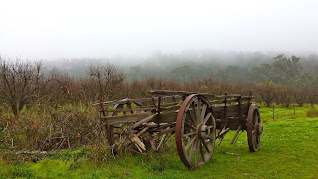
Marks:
<point>254,128</point>
<point>195,131</point>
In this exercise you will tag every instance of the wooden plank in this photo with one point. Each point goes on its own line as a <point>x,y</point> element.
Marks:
<point>223,101</point>
<point>180,93</point>
<point>126,109</point>
<point>167,117</point>
<point>234,95</point>
<point>138,101</point>
<point>218,111</point>
<point>167,131</point>
<point>147,119</point>
<point>162,105</point>
<point>163,117</point>
<point>123,119</point>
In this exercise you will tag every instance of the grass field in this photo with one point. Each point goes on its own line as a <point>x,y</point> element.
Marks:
<point>289,149</point>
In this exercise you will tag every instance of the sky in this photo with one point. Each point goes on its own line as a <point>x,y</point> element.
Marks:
<point>43,29</point>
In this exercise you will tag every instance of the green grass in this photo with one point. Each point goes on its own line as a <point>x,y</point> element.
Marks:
<point>289,149</point>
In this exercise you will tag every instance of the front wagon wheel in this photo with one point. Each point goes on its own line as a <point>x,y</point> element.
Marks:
<point>195,131</point>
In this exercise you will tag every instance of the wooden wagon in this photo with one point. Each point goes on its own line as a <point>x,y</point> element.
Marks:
<point>197,121</point>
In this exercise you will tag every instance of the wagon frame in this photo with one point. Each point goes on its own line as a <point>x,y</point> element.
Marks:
<point>192,117</point>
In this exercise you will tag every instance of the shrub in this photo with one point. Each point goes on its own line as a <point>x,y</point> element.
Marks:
<point>312,113</point>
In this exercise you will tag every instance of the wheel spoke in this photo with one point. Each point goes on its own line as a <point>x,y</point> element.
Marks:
<point>197,153</point>
<point>194,111</point>
<point>186,122</point>
<point>191,117</point>
<point>207,118</point>
<point>190,142</point>
<point>209,127</point>
<point>205,146</point>
<point>202,153</point>
<point>199,111</point>
<point>254,140</point>
<point>192,150</point>
<point>191,133</point>
<point>203,112</point>
<point>257,138</point>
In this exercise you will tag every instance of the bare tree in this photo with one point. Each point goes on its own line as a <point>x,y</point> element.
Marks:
<point>21,83</point>
<point>108,80</point>
<point>266,91</point>
<point>312,95</point>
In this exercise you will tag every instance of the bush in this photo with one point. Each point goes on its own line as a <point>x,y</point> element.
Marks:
<point>312,113</point>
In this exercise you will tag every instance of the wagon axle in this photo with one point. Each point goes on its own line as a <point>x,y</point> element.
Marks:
<point>203,131</point>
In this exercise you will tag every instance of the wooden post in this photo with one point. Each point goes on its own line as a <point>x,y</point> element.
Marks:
<point>102,110</point>
<point>240,112</point>
<point>294,110</point>
<point>250,98</point>
<point>159,110</point>
<point>236,133</point>
<point>273,112</point>
<point>225,112</point>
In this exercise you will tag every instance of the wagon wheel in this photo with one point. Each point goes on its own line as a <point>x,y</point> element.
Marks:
<point>195,131</point>
<point>112,137</point>
<point>254,128</point>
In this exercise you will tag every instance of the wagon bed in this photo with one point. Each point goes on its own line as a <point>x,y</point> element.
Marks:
<point>194,118</point>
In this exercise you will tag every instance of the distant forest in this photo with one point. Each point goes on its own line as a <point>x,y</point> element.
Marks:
<point>275,78</point>
<point>227,67</point>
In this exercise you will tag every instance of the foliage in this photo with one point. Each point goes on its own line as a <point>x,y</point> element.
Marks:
<point>283,80</point>
<point>267,91</point>
<point>287,151</point>
<point>21,83</point>
<point>45,127</point>
<point>312,113</point>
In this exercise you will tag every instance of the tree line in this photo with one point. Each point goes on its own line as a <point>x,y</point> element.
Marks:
<point>25,83</point>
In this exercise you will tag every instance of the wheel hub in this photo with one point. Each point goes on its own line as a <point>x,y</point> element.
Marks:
<point>259,128</point>
<point>203,131</point>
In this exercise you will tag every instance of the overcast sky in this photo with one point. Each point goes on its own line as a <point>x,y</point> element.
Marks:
<point>73,28</point>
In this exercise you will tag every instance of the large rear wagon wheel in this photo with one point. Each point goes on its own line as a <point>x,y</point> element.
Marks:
<point>254,128</point>
<point>195,131</point>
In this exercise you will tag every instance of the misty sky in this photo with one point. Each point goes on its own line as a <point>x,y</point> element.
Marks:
<point>73,28</point>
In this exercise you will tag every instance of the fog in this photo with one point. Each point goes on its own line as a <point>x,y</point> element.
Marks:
<point>107,29</point>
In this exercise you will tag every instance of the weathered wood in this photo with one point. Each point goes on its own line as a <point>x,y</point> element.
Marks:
<point>143,131</point>
<point>167,131</point>
<point>164,125</point>
<point>168,116</point>
<point>164,117</point>
<point>243,99</point>
<point>162,140</point>
<point>157,115</point>
<point>124,119</point>
<point>164,107</point>
<point>161,125</point>
<point>147,119</point>
<point>138,101</point>
<point>222,133</point>
<point>126,110</point>
<point>232,111</point>
<point>236,133</point>
<point>180,93</point>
